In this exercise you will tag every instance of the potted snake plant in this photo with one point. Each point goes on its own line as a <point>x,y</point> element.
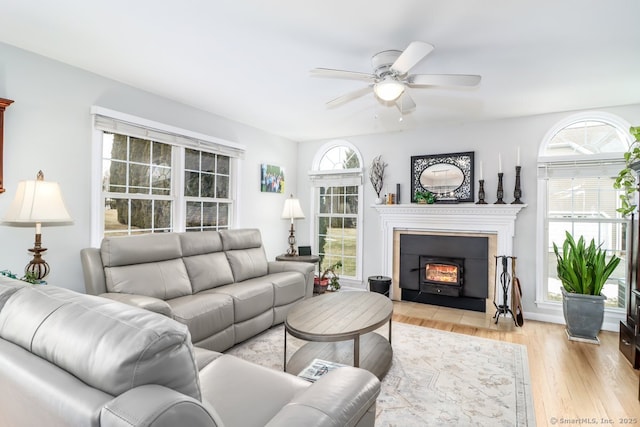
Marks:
<point>583,270</point>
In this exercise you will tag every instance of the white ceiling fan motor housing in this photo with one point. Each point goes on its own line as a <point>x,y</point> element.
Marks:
<point>383,61</point>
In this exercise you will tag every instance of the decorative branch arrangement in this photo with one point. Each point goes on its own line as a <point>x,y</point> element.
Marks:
<point>376,174</point>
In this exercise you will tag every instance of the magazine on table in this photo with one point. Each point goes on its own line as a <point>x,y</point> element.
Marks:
<point>318,368</point>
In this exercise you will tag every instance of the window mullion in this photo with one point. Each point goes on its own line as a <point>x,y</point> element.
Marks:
<point>177,188</point>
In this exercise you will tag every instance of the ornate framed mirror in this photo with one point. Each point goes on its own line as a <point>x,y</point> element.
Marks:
<point>448,176</point>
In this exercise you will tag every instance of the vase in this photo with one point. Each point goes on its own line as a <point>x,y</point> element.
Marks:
<point>320,285</point>
<point>583,315</point>
<point>378,201</point>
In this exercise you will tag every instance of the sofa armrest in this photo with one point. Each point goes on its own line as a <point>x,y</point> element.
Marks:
<point>156,406</point>
<point>93,270</point>
<point>343,397</point>
<point>148,303</point>
<point>306,268</point>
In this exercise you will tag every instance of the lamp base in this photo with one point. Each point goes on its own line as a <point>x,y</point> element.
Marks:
<point>37,268</point>
<point>292,242</point>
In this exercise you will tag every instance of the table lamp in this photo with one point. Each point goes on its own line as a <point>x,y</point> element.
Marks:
<point>291,211</point>
<point>36,203</point>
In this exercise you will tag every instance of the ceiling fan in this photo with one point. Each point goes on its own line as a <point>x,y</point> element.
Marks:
<point>390,80</point>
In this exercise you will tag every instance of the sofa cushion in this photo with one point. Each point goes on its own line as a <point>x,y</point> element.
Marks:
<point>224,385</point>
<point>8,287</point>
<point>208,271</point>
<point>250,298</point>
<point>140,249</point>
<point>162,279</point>
<point>248,263</point>
<point>245,238</point>
<point>288,287</point>
<point>110,346</point>
<point>198,243</point>
<point>204,314</point>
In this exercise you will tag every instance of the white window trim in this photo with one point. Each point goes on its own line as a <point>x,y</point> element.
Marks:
<point>318,178</point>
<point>612,315</point>
<point>183,137</point>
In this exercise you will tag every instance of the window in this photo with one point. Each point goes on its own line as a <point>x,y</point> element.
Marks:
<point>206,190</point>
<point>337,181</point>
<point>136,185</point>
<point>578,162</point>
<point>154,178</point>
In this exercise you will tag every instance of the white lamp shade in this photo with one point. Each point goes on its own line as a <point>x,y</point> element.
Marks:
<point>388,89</point>
<point>292,209</point>
<point>37,202</point>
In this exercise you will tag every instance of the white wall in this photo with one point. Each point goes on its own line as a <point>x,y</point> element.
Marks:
<point>48,127</point>
<point>486,139</point>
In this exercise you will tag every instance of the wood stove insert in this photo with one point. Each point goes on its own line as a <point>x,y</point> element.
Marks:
<point>442,275</point>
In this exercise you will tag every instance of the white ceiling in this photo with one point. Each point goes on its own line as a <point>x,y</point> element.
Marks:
<point>249,60</point>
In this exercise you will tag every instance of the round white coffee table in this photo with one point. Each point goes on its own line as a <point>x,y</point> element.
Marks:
<point>340,328</point>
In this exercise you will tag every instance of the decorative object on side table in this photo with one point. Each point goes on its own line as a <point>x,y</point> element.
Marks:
<point>376,176</point>
<point>583,271</point>
<point>28,277</point>
<point>37,203</point>
<point>291,211</point>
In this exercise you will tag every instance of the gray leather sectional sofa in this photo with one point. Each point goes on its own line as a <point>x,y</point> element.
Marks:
<point>219,284</point>
<point>70,359</point>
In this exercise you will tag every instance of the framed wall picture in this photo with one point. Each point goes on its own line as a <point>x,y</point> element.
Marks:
<point>271,179</point>
<point>448,176</point>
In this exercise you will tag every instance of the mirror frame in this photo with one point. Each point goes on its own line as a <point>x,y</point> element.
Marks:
<point>4,103</point>
<point>464,161</point>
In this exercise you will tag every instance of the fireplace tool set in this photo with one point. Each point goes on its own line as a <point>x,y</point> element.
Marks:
<point>507,285</point>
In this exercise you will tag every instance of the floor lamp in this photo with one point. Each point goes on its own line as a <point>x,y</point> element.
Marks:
<point>37,203</point>
<point>291,211</point>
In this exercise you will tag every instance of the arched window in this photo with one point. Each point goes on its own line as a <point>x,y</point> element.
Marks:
<point>336,179</point>
<point>578,161</point>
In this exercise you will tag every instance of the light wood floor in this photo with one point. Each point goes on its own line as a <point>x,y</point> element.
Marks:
<point>573,383</point>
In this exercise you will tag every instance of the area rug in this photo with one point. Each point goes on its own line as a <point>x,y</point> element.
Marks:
<point>436,378</point>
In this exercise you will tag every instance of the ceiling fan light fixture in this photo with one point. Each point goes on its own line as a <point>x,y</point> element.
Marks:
<point>388,89</point>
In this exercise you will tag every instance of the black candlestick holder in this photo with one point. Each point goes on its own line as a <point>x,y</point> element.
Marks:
<point>481,193</point>
<point>517,192</point>
<point>500,192</point>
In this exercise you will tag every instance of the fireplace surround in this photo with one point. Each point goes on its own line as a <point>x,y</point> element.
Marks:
<point>450,270</point>
<point>495,222</point>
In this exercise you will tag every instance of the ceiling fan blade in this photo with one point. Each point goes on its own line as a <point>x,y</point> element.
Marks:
<point>411,56</point>
<point>349,96</point>
<point>443,80</point>
<point>405,103</point>
<point>342,74</point>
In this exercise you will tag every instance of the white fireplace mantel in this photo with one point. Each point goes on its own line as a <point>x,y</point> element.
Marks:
<point>453,218</point>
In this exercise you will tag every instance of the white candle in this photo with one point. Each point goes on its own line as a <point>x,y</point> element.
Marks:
<point>518,157</point>
<point>481,169</point>
<point>499,163</point>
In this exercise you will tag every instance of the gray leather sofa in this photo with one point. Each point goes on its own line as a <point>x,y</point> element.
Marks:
<point>219,284</point>
<point>71,359</point>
